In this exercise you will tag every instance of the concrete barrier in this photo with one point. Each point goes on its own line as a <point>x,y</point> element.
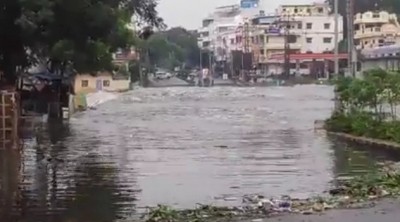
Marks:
<point>365,140</point>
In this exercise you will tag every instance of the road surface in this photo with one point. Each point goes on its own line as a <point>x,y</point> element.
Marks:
<point>384,211</point>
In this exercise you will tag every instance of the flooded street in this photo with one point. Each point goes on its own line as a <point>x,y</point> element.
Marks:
<point>179,146</point>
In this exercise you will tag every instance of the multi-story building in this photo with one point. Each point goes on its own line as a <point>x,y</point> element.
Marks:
<point>218,27</point>
<point>306,29</point>
<point>309,29</point>
<point>314,23</point>
<point>222,30</point>
<point>376,29</point>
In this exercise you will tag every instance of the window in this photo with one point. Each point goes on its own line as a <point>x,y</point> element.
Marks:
<point>309,25</point>
<point>327,40</point>
<point>261,51</point>
<point>292,39</point>
<point>320,10</point>
<point>232,41</point>
<point>262,38</point>
<point>106,83</point>
<point>85,83</point>
<point>300,26</point>
<point>309,40</point>
<point>327,25</point>
<point>303,66</point>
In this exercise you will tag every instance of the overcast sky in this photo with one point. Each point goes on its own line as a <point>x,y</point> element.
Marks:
<point>189,13</point>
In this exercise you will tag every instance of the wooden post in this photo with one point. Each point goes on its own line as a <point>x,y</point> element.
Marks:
<point>9,114</point>
<point>3,117</point>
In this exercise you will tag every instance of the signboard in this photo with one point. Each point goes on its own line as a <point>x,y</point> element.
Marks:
<point>249,3</point>
<point>266,20</point>
<point>273,30</point>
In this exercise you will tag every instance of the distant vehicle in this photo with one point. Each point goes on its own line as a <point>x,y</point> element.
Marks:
<point>162,75</point>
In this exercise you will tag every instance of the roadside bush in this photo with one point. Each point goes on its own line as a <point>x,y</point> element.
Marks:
<point>339,122</point>
<point>363,101</point>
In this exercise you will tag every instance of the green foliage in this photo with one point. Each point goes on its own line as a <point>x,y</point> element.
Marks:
<point>369,106</point>
<point>75,34</point>
<point>203,213</point>
<point>382,183</point>
<point>392,6</point>
<point>172,48</point>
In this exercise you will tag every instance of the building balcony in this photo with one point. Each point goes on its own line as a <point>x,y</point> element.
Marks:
<point>370,20</point>
<point>204,39</point>
<point>374,32</point>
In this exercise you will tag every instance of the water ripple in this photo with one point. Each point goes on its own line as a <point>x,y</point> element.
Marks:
<point>177,146</point>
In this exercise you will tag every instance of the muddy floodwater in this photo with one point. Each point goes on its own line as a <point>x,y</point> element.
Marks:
<point>178,146</point>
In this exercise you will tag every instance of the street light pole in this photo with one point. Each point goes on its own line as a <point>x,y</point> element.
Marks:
<point>336,11</point>
<point>201,59</point>
<point>350,37</point>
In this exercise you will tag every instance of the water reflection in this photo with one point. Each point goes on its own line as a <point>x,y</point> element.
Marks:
<point>60,183</point>
<point>178,146</point>
<point>97,193</point>
<point>351,159</point>
<point>10,194</point>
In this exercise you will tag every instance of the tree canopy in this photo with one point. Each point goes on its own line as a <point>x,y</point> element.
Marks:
<point>81,34</point>
<point>173,47</point>
<point>392,6</point>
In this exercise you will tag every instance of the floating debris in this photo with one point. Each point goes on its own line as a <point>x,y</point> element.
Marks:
<point>359,192</point>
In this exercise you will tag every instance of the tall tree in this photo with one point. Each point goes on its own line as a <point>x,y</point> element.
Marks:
<point>174,47</point>
<point>12,42</point>
<point>81,34</point>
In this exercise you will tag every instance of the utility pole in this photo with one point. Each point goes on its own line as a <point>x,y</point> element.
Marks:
<point>336,11</point>
<point>287,53</point>
<point>201,59</point>
<point>286,33</point>
<point>246,48</point>
<point>210,63</point>
<point>350,36</point>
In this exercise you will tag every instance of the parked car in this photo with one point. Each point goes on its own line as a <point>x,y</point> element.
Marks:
<point>162,75</point>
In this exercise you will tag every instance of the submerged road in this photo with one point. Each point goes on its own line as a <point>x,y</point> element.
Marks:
<point>179,146</point>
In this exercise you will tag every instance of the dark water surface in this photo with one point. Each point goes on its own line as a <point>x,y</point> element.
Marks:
<point>178,146</point>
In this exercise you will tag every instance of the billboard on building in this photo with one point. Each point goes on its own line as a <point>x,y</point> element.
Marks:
<point>249,3</point>
<point>273,30</point>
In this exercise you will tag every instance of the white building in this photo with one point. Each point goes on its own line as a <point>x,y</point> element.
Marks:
<point>311,28</point>
<point>314,24</point>
<point>221,31</point>
<point>376,29</point>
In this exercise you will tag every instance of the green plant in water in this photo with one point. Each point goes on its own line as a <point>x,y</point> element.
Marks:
<point>162,214</point>
<point>368,106</point>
